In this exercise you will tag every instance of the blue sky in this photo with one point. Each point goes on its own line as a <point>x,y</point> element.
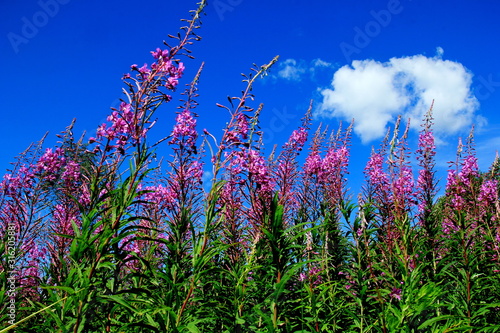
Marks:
<point>371,60</point>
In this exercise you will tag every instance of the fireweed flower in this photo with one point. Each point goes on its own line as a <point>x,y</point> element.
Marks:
<point>402,187</point>
<point>161,196</point>
<point>312,276</point>
<point>195,171</point>
<point>160,54</point>
<point>130,122</point>
<point>247,176</point>
<point>424,182</point>
<point>232,218</point>
<point>237,161</point>
<point>395,293</point>
<point>50,163</point>
<point>242,126</point>
<point>425,187</point>
<point>297,140</point>
<point>22,179</point>
<point>469,170</point>
<point>231,200</point>
<point>84,198</point>
<point>130,245</point>
<point>237,133</point>
<point>62,218</point>
<point>258,170</point>
<point>334,165</point>
<point>488,194</point>
<point>458,185</point>
<point>184,131</point>
<point>71,172</point>
<point>31,270</point>
<point>285,170</point>
<point>144,70</point>
<point>377,178</point>
<point>313,164</point>
<point>252,162</point>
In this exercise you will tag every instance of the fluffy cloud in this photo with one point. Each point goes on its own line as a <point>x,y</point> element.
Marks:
<point>291,70</point>
<point>294,70</point>
<point>374,93</point>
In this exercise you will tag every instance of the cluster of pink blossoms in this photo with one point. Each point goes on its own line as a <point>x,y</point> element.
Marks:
<point>335,163</point>
<point>426,146</point>
<point>185,129</point>
<point>458,185</point>
<point>402,186</point>
<point>127,121</point>
<point>297,139</point>
<point>424,181</point>
<point>63,217</point>
<point>30,272</point>
<point>374,170</point>
<point>71,172</point>
<point>122,121</point>
<point>238,134</point>
<point>51,163</point>
<point>312,275</point>
<point>163,67</point>
<point>314,164</point>
<point>195,172</point>
<point>23,179</point>
<point>61,222</point>
<point>488,195</point>
<point>253,162</point>
<point>329,168</point>
<point>161,196</point>
<point>425,190</point>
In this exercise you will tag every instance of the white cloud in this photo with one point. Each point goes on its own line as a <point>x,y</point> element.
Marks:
<point>374,93</point>
<point>321,63</point>
<point>293,70</point>
<point>207,176</point>
<point>439,52</point>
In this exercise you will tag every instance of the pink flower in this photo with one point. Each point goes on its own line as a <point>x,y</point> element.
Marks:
<point>377,178</point>
<point>71,172</point>
<point>297,139</point>
<point>242,126</point>
<point>489,193</point>
<point>185,129</point>
<point>334,165</point>
<point>144,70</point>
<point>195,171</point>
<point>160,54</point>
<point>50,163</point>
<point>313,165</point>
<point>395,293</point>
<point>161,196</point>
<point>403,185</point>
